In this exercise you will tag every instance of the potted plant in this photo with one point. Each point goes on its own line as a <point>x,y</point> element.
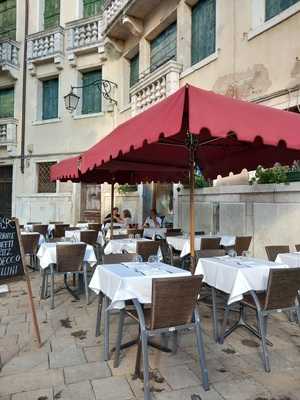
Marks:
<point>293,174</point>
<point>276,174</point>
<point>123,189</point>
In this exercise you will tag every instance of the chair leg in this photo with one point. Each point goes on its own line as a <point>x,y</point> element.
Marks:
<point>86,287</point>
<point>201,353</point>
<point>119,338</point>
<point>262,324</point>
<point>175,342</point>
<point>52,288</point>
<point>106,329</point>
<point>224,324</point>
<point>297,308</point>
<point>46,285</point>
<point>144,338</point>
<point>215,316</point>
<point>42,290</point>
<point>99,313</point>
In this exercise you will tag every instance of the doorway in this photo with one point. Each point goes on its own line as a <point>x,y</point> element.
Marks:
<point>6,190</point>
<point>90,202</point>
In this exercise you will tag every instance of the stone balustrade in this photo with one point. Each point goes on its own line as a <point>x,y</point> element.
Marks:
<point>155,86</point>
<point>8,134</point>
<point>84,35</point>
<point>9,56</point>
<point>46,46</point>
<point>112,9</point>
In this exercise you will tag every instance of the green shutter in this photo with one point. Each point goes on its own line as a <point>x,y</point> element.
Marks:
<point>134,69</point>
<point>91,95</point>
<point>51,13</point>
<point>203,30</point>
<point>164,47</point>
<point>274,7</point>
<point>92,7</point>
<point>50,99</point>
<point>8,19</point>
<point>7,103</point>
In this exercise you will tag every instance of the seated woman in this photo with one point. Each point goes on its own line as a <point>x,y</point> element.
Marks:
<point>126,218</point>
<point>116,217</point>
<point>153,221</point>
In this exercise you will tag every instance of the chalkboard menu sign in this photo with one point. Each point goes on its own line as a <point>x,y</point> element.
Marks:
<point>11,263</point>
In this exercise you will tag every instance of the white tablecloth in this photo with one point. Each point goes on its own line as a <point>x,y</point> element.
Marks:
<point>291,259</point>
<point>82,225</point>
<point>151,232</point>
<point>183,244</point>
<point>47,254</point>
<point>116,246</point>
<point>236,275</point>
<point>76,235</point>
<point>41,239</point>
<point>122,282</point>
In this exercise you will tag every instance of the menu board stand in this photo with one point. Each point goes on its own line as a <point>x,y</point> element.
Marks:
<point>13,264</point>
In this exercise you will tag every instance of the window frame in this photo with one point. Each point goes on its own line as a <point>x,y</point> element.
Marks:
<point>58,15</point>
<point>43,81</point>
<point>83,10</point>
<point>9,88</point>
<point>93,112</point>
<point>259,25</point>
<point>154,66</point>
<point>10,33</point>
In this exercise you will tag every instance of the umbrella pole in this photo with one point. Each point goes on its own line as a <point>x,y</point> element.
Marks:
<point>111,210</point>
<point>192,211</point>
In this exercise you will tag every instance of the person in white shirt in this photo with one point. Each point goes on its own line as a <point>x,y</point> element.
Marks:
<point>154,221</point>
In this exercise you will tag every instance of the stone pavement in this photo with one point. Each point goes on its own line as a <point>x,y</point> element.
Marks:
<point>70,363</point>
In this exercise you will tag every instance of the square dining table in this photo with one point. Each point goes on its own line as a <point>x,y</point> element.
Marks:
<point>116,283</point>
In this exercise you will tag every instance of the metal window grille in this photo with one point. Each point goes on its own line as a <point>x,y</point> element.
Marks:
<point>44,183</point>
<point>274,7</point>
<point>164,47</point>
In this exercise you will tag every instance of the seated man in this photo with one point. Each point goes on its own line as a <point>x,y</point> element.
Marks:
<point>154,221</point>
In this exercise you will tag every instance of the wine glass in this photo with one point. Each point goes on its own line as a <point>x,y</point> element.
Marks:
<point>153,259</point>
<point>131,236</point>
<point>245,253</point>
<point>137,236</point>
<point>138,258</point>
<point>232,253</point>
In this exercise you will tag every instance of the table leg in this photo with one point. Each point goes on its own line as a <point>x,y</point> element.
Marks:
<point>106,328</point>
<point>215,315</point>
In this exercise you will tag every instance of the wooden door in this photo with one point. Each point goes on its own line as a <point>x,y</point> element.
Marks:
<point>90,202</point>
<point>5,190</point>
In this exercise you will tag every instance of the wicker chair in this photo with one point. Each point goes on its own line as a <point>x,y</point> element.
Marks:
<point>297,247</point>
<point>281,295</point>
<point>147,248</point>
<point>273,251</point>
<point>69,258</point>
<point>242,243</point>
<point>41,229</point>
<point>174,303</point>
<point>33,223</point>
<point>56,222</point>
<point>135,231</point>
<point>120,237</point>
<point>89,237</point>
<point>30,246</point>
<point>209,253</point>
<point>210,243</point>
<point>174,232</point>
<point>60,229</point>
<point>82,222</point>
<point>168,254</point>
<point>94,226</point>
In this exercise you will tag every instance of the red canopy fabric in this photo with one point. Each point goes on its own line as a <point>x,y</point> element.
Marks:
<point>65,170</point>
<point>233,135</point>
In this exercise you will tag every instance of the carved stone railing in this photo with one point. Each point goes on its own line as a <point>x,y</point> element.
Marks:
<point>155,86</point>
<point>46,46</point>
<point>112,9</point>
<point>9,56</point>
<point>8,134</point>
<point>85,35</point>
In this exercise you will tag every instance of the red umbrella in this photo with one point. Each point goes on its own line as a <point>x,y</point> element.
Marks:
<point>221,135</point>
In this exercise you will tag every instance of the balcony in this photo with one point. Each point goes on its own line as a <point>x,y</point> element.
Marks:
<point>123,18</point>
<point>9,57</point>
<point>8,135</point>
<point>85,36</point>
<point>44,47</point>
<point>155,86</point>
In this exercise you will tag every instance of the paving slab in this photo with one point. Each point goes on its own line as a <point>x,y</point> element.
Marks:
<point>185,394</point>
<point>179,376</point>
<point>35,360</point>
<point>69,356</point>
<point>76,391</point>
<point>32,380</point>
<point>247,389</point>
<point>44,394</point>
<point>114,388</point>
<point>84,372</point>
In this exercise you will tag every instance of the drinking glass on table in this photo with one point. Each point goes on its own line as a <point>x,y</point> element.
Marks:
<point>138,258</point>
<point>137,236</point>
<point>153,259</point>
<point>232,253</point>
<point>245,253</point>
<point>131,236</point>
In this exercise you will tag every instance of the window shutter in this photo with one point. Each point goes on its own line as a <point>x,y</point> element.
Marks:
<point>92,7</point>
<point>50,99</point>
<point>134,69</point>
<point>8,19</point>
<point>91,95</point>
<point>274,7</point>
<point>203,30</point>
<point>7,103</point>
<point>164,47</point>
<point>51,13</point>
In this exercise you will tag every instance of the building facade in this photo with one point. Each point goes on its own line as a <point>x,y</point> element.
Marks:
<point>247,49</point>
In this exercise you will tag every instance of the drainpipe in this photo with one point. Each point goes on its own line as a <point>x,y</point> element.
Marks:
<point>24,87</point>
